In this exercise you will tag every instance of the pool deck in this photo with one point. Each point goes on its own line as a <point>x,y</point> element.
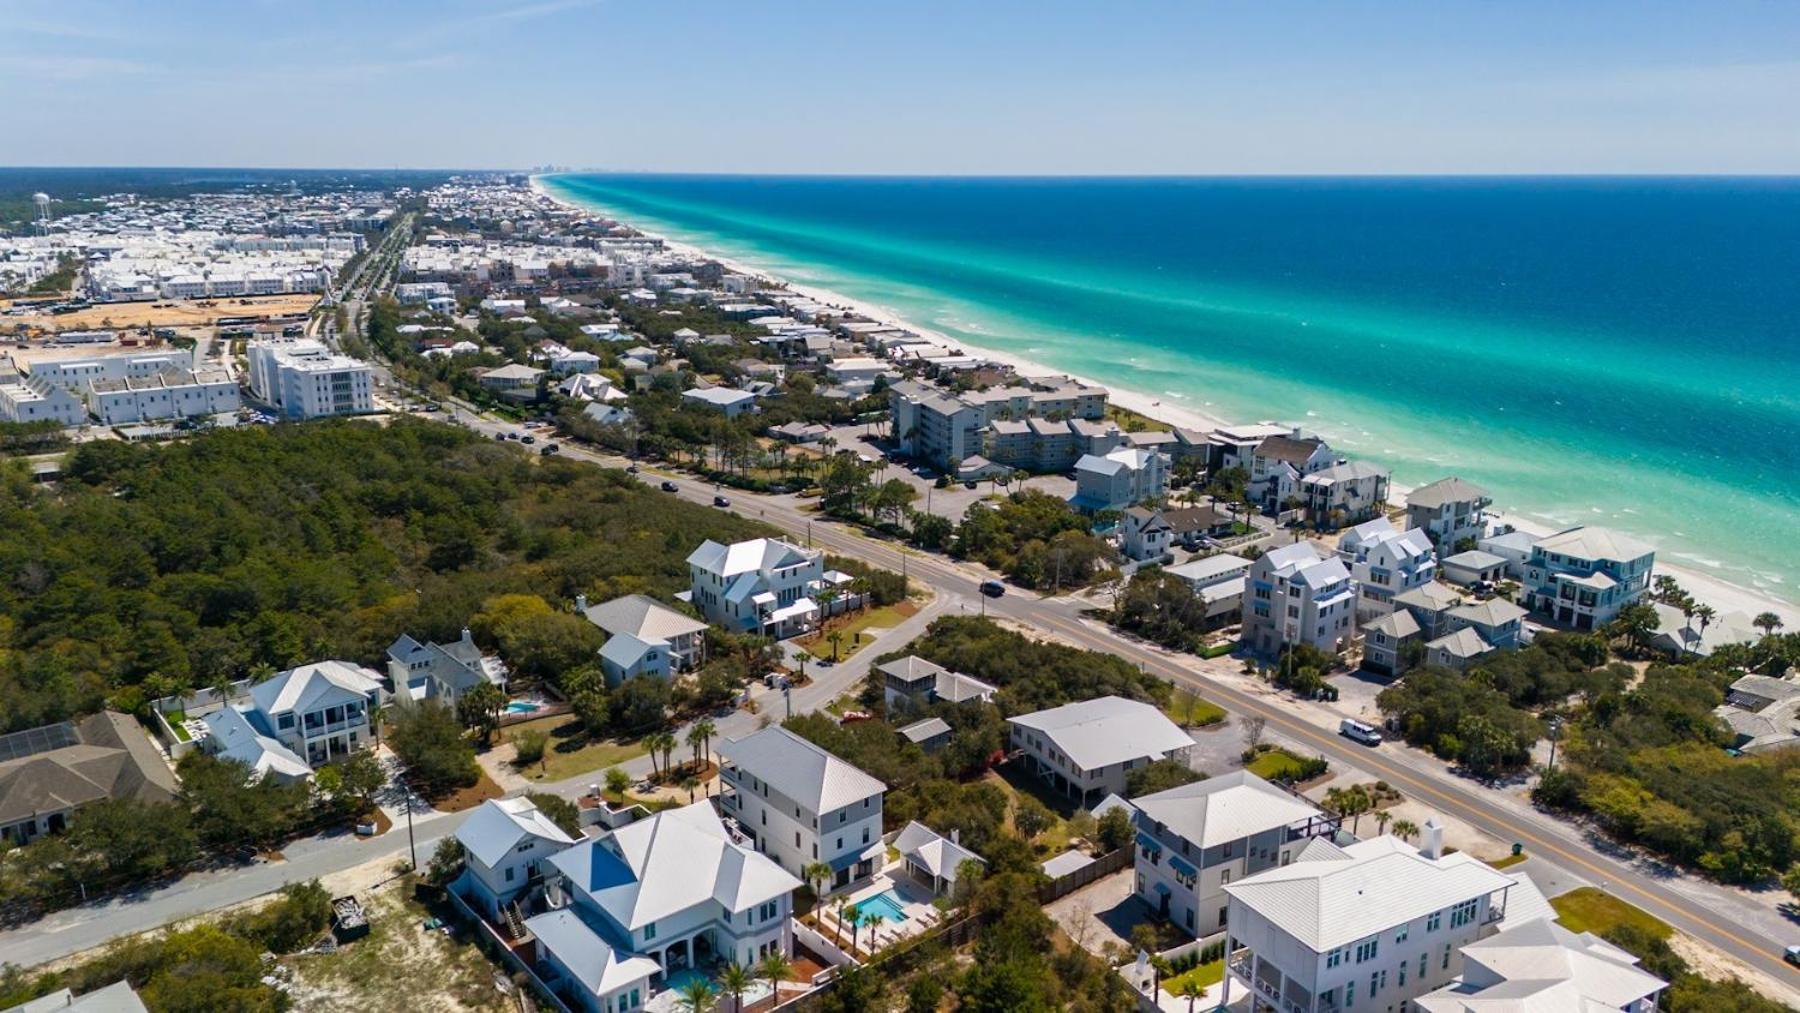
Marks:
<point>913,898</point>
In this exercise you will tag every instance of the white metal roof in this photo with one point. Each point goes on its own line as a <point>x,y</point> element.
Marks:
<point>1328,901</point>
<point>580,947</point>
<point>934,852</point>
<point>800,770</point>
<point>1230,807</point>
<point>1107,730</point>
<point>499,824</point>
<point>643,617</point>
<point>311,686</point>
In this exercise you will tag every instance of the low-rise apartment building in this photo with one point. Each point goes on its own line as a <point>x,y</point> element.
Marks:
<point>1346,493</point>
<point>303,379</point>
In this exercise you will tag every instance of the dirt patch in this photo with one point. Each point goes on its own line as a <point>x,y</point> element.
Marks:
<point>170,314</point>
<point>470,797</point>
<point>399,965</point>
<point>1710,963</point>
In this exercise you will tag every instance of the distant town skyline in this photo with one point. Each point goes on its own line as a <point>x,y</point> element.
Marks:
<point>925,87</point>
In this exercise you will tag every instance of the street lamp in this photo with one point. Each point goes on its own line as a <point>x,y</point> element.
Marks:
<point>1555,733</point>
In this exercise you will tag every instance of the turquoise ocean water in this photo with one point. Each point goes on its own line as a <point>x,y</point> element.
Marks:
<point>1622,352</point>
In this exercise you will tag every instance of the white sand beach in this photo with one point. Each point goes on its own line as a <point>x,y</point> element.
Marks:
<point>1722,595</point>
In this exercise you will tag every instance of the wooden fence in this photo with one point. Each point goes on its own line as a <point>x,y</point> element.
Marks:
<point>1068,883</point>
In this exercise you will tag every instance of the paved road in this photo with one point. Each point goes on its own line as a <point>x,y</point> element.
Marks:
<point>1719,917</point>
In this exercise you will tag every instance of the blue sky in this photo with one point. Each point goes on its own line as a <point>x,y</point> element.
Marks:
<point>1203,87</point>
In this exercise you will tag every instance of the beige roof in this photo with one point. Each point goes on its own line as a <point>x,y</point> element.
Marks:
<point>59,767</point>
<point>1445,490</point>
<point>643,617</point>
<point>1595,544</point>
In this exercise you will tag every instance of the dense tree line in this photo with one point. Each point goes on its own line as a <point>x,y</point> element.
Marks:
<point>1036,539</point>
<point>153,569</point>
<point>1032,674</point>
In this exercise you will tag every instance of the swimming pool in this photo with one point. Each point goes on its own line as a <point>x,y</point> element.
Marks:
<point>521,707</point>
<point>884,904</point>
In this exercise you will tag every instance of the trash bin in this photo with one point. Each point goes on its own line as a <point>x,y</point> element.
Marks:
<point>1518,849</point>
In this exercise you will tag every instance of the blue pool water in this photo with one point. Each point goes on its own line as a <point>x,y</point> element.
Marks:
<point>521,707</point>
<point>883,904</point>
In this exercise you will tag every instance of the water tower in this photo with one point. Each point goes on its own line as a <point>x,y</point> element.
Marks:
<point>42,200</point>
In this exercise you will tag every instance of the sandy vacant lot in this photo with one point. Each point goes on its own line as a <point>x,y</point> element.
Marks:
<point>179,313</point>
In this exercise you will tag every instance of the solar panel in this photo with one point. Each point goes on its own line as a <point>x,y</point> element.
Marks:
<point>32,741</point>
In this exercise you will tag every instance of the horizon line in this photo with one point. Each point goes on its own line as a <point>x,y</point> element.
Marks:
<point>788,174</point>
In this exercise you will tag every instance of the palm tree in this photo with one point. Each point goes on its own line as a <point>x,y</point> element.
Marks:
<point>1382,816</point>
<point>1768,622</point>
<point>694,738</point>
<point>1406,830</point>
<point>855,918</point>
<point>707,730</point>
<point>1706,614</point>
<point>836,638</point>
<point>775,967</point>
<point>837,907</point>
<point>817,875</point>
<point>801,658</point>
<point>652,742</point>
<point>697,996</point>
<point>876,921</point>
<point>1188,989</point>
<point>692,784</point>
<point>734,980</point>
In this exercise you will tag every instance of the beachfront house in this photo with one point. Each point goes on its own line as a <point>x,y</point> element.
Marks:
<point>644,637</point>
<point>1371,925</point>
<point>1582,577</point>
<point>1387,643</point>
<point>654,903</point>
<point>1194,839</point>
<point>1297,595</point>
<point>1118,479</point>
<point>505,842</point>
<point>1451,511</point>
<point>1385,562</point>
<point>419,671</point>
<point>763,585</point>
<point>1279,463</point>
<point>1345,493</point>
<point>1086,749</point>
<point>801,805</point>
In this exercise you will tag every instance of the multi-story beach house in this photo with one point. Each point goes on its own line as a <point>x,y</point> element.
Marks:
<point>644,637</point>
<point>1218,581</point>
<point>1385,642</point>
<point>1119,479</point>
<point>1195,839</point>
<point>763,585</point>
<point>671,893</point>
<point>1279,463</point>
<point>922,682</point>
<point>1582,577</point>
<point>1373,925</point>
<point>319,712</point>
<point>1450,511</point>
<point>1296,595</point>
<point>505,842</point>
<point>1346,493</point>
<point>1086,749</point>
<point>1147,533</point>
<point>799,805</point>
<point>1385,562</point>
<point>418,671</point>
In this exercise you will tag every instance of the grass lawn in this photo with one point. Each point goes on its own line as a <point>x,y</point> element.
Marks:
<point>1274,764</point>
<point>1509,861</point>
<point>570,752</point>
<point>1202,975</point>
<point>1055,839</point>
<point>1191,710</point>
<point>1590,909</point>
<point>853,624</point>
<point>439,973</point>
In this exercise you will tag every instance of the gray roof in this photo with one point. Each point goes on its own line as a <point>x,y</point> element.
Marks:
<point>59,767</point>
<point>1595,544</point>
<point>580,946</point>
<point>1491,613</point>
<point>937,854</point>
<point>1445,490</point>
<point>1475,559</point>
<point>911,668</point>
<point>929,728</point>
<point>1464,644</point>
<point>1101,732</point>
<point>800,770</point>
<point>1431,597</point>
<point>114,998</point>
<point>1230,807</point>
<point>642,617</point>
<point>1065,863</point>
<point>1398,624</point>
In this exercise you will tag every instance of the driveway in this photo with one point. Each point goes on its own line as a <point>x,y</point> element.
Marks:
<point>1101,913</point>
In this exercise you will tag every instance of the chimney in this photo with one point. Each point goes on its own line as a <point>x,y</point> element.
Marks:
<point>1433,848</point>
<point>955,835</point>
<point>581,603</point>
<point>468,637</point>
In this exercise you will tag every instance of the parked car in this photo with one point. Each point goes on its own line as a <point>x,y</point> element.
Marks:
<point>970,484</point>
<point>528,438</point>
<point>631,469</point>
<point>721,501</point>
<point>1793,955</point>
<point>993,588</point>
<point>669,486</point>
<point>550,450</point>
<point>1357,731</point>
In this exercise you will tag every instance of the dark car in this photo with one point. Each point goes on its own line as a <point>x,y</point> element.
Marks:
<point>968,485</point>
<point>550,450</point>
<point>993,588</point>
<point>670,487</point>
<point>721,501</point>
<point>528,438</point>
<point>631,469</point>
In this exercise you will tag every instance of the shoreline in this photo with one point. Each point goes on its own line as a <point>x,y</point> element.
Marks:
<point>1718,592</point>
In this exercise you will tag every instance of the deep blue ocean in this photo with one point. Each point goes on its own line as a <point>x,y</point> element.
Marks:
<point>1622,351</point>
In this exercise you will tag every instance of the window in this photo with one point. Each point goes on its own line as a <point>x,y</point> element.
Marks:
<point>1435,922</point>
<point>1374,983</point>
<point>509,874</point>
<point>1224,876</point>
<point>840,844</point>
<point>649,932</point>
<point>1335,957</point>
<point>865,835</point>
<point>1423,957</point>
<point>1349,994</point>
<point>1446,964</point>
<point>1367,949</point>
<point>1400,936</point>
<point>1462,914</point>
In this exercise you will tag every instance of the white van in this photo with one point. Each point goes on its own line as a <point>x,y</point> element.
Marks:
<point>1353,729</point>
